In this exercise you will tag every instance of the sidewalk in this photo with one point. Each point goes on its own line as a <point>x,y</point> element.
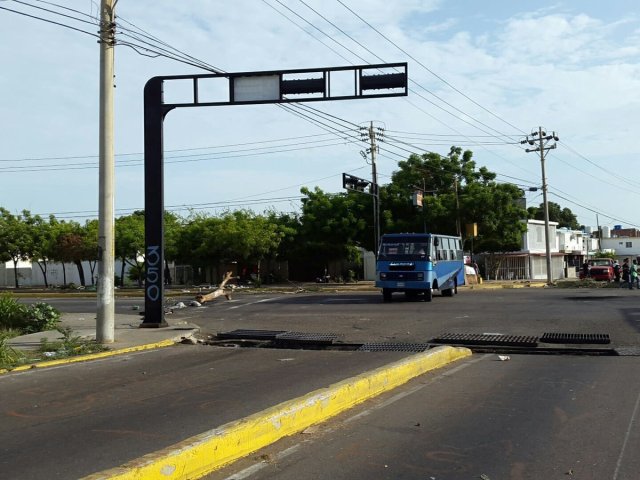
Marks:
<point>128,336</point>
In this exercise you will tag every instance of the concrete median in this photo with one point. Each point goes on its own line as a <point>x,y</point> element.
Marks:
<point>209,451</point>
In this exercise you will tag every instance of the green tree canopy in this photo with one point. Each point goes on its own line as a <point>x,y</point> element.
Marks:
<point>457,193</point>
<point>564,216</point>
<point>16,242</point>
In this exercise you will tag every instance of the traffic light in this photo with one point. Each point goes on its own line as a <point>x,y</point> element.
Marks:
<point>354,183</point>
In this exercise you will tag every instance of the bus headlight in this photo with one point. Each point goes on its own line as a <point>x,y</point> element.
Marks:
<point>383,275</point>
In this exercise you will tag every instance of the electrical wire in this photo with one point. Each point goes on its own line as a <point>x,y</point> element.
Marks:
<point>50,21</point>
<point>428,69</point>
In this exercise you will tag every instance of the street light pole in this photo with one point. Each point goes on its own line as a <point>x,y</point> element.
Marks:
<point>105,323</point>
<point>543,147</point>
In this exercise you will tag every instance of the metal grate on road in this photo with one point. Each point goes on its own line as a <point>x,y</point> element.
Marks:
<point>589,338</point>
<point>393,347</point>
<point>486,339</point>
<point>306,337</point>
<point>250,334</point>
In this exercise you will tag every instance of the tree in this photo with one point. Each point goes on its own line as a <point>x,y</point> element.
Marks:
<point>564,216</point>
<point>458,193</point>
<point>42,235</point>
<point>89,236</point>
<point>129,241</point>
<point>172,226</point>
<point>332,225</point>
<point>15,241</point>
<point>71,247</point>
<point>197,243</point>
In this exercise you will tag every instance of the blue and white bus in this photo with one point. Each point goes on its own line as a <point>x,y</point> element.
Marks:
<point>418,264</point>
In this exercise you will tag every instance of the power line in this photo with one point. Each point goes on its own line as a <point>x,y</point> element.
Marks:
<point>85,166</point>
<point>426,68</point>
<point>74,157</point>
<point>50,21</point>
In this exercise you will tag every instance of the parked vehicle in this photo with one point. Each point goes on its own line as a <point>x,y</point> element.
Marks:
<point>599,269</point>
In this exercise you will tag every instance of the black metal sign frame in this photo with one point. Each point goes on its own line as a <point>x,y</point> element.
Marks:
<point>302,85</point>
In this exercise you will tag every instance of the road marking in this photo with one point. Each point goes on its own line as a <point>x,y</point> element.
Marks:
<point>253,303</point>
<point>626,437</point>
<point>247,472</point>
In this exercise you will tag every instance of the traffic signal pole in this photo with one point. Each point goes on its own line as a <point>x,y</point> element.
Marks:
<point>244,88</point>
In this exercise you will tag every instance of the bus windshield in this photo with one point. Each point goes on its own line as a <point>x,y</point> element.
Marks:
<point>404,249</point>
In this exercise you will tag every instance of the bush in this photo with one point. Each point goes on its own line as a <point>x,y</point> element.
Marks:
<point>41,317</point>
<point>12,313</point>
<point>27,319</point>
<point>9,357</point>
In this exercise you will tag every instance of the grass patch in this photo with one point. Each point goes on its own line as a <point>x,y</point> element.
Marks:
<point>69,345</point>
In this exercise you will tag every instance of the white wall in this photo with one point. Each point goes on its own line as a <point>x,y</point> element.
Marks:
<point>30,274</point>
<point>623,246</point>
<point>534,239</point>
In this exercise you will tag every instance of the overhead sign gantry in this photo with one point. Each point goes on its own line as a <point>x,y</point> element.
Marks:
<point>244,88</point>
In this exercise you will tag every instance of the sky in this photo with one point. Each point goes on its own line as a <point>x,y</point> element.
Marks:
<point>482,75</point>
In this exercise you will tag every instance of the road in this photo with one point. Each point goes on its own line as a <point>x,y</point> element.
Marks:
<point>533,416</point>
<point>363,317</point>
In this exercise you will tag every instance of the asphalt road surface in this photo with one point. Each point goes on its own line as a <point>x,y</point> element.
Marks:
<point>529,417</point>
<point>532,417</point>
<point>363,317</point>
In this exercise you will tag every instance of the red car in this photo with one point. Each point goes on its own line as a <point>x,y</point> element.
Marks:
<point>599,269</point>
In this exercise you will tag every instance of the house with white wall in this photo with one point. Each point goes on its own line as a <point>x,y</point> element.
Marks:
<point>623,247</point>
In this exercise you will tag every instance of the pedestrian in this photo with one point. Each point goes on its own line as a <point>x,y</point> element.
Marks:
<point>616,271</point>
<point>626,274</point>
<point>634,275</point>
<point>585,269</point>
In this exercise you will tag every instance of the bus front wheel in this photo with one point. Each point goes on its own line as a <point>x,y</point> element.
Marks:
<point>386,295</point>
<point>428,295</point>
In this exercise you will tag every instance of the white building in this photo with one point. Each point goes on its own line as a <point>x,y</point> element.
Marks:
<point>568,249</point>
<point>622,247</point>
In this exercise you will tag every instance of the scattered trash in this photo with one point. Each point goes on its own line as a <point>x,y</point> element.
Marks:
<point>50,354</point>
<point>570,472</point>
<point>189,341</point>
<point>286,359</point>
<point>504,358</point>
<point>194,303</point>
<point>484,477</point>
<point>135,307</point>
<point>179,305</point>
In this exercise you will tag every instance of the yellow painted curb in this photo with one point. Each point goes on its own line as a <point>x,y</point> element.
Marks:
<point>90,356</point>
<point>204,453</point>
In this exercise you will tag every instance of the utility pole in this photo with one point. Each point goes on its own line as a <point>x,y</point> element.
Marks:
<point>105,326</point>
<point>544,145</point>
<point>373,149</point>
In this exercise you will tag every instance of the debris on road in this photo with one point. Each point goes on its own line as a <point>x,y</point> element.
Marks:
<point>218,292</point>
